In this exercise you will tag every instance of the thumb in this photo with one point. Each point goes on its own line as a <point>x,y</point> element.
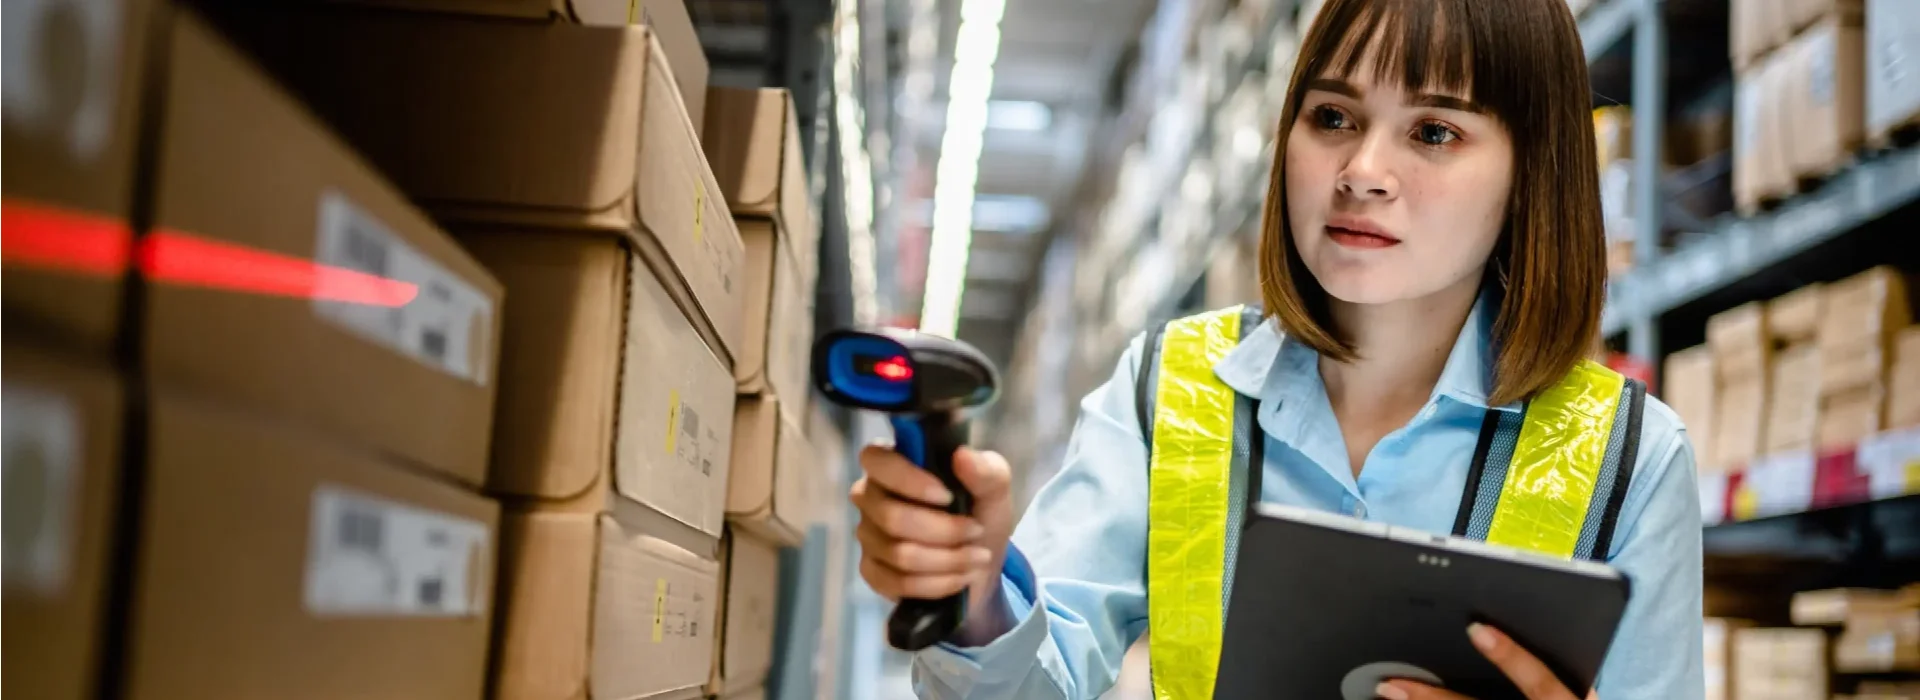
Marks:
<point>984,473</point>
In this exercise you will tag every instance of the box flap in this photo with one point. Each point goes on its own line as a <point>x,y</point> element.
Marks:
<point>560,359</point>
<point>778,331</point>
<point>673,446</point>
<point>655,607</point>
<point>744,142</point>
<point>770,492</point>
<point>546,598</point>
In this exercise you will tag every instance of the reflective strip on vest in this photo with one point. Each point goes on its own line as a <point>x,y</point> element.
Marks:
<point>1189,485</point>
<point>1557,461</point>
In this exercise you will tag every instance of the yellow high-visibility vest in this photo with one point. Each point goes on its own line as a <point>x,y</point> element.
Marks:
<point>1549,479</point>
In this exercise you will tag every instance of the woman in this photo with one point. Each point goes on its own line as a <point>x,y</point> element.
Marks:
<point>1432,264</point>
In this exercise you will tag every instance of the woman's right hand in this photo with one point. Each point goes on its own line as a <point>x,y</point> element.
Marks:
<point>911,547</point>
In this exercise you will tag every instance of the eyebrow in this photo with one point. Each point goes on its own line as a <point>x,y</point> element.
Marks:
<point>1348,90</point>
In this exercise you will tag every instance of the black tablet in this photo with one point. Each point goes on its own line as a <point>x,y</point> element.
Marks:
<point>1325,606</point>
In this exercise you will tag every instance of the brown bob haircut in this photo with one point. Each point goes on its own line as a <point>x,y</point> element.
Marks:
<point>1522,61</point>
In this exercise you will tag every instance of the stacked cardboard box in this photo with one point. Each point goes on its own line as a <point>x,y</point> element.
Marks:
<point>1861,317</point>
<point>67,220</point>
<point>1717,650</point>
<point>1793,401</point>
<point>752,137</point>
<point>1881,628</point>
<point>1903,380</point>
<point>1687,385</point>
<point>1837,605</point>
<point>1786,663</point>
<point>1742,356</point>
<point>565,158</point>
<point>1800,106</point>
<point>304,318</point>
<point>1893,89</point>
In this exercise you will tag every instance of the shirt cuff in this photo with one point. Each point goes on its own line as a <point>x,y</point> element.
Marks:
<point>1004,659</point>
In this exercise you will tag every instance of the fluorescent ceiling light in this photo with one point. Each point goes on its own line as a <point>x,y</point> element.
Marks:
<point>999,213</point>
<point>1018,115</point>
<point>976,45</point>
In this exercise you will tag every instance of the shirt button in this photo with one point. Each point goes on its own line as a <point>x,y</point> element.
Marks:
<point>1360,510</point>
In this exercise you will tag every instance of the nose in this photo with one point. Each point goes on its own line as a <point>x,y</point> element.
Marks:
<point>1369,172</point>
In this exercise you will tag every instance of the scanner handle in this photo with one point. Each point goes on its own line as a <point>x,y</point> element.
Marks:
<point>929,440</point>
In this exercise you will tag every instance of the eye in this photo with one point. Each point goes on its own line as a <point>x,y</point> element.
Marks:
<point>1435,134</point>
<point>1331,118</point>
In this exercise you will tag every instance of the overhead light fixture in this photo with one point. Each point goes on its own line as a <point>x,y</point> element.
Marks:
<point>976,45</point>
<point>1018,115</point>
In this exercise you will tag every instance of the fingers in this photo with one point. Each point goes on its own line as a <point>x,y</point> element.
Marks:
<point>1412,690</point>
<point>895,473</point>
<point>913,522</point>
<point>914,558</point>
<point>894,585</point>
<point>984,473</point>
<point>1533,678</point>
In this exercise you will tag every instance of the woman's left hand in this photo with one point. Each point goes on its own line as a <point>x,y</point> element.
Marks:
<point>1532,677</point>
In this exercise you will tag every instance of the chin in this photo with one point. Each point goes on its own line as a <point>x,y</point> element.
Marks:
<point>1367,281</point>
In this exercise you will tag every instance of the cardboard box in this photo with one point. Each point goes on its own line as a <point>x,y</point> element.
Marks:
<point>314,292</point>
<point>598,605</point>
<point>334,573</point>
<point>777,355</point>
<point>1836,605</point>
<point>1903,380</point>
<point>1780,664</point>
<point>527,127</point>
<point>1866,308</point>
<point>71,120</point>
<point>753,142</point>
<point>1739,434</point>
<point>1879,642</point>
<point>1717,647</point>
<point>774,478</point>
<point>1687,385</point>
<point>62,445</point>
<point>1742,347</point>
<point>1826,95</point>
<point>669,18</point>
<point>755,693</point>
<point>606,388</point>
<point>1847,417</point>
<point>1794,317</point>
<point>1752,29</point>
<point>1850,367</point>
<point>750,576</point>
<point>1762,130</point>
<point>1793,408</point>
<point>1893,87</point>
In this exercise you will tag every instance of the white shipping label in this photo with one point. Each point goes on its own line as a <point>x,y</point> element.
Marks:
<point>62,70</point>
<point>41,444</point>
<point>367,555</point>
<point>401,298</point>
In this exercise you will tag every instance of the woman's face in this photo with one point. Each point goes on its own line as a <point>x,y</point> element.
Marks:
<point>1393,194</point>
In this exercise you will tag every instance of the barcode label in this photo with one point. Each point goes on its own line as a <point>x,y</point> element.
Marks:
<point>373,556</point>
<point>40,451</point>
<point>421,310</point>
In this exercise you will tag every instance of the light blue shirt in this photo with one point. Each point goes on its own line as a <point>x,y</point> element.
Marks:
<point>1079,592</point>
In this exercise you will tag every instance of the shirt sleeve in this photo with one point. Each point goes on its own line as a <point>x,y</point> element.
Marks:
<point>1075,578</point>
<point>1657,652</point>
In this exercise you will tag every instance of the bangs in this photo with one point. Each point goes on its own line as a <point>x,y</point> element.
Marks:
<point>1417,45</point>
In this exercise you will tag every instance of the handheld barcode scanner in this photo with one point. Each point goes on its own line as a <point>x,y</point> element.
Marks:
<point>928,386</point>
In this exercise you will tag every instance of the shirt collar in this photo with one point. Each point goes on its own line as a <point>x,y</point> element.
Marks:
<point>1267,365</point>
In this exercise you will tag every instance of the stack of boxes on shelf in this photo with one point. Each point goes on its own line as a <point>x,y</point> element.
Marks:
<point>362,455</point>
<point>1800,93</point>
<point>287,501</point>
<point>1893,87</point>
<point>1816,370</point>
<point>1613,133</point>
<point>753,139</point>
<point>1842,635</point>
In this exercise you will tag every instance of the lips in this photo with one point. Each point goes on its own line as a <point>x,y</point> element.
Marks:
<point>1355,232</point>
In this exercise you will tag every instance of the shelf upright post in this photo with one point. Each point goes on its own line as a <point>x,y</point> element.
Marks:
<point>1649,121</point>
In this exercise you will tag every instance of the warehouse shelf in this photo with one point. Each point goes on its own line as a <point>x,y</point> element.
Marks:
<point>1740,248</point>
<point>1882,467</point>
<point>1606,24</point>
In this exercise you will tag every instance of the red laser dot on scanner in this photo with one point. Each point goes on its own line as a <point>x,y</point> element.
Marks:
<point>893,369</point>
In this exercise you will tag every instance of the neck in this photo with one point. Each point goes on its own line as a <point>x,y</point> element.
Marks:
<point>1402,348</point>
